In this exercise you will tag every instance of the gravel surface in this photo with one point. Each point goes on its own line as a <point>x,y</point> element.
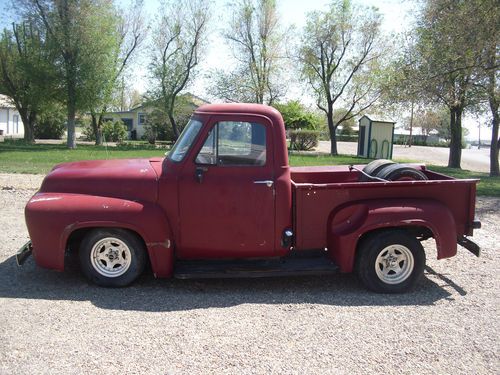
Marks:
<point>58,323</point>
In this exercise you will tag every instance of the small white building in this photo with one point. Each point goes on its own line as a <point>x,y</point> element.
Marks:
<point>376,138</point>
<point>11,124</point>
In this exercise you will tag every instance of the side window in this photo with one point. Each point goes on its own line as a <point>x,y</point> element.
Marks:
<point>234,143</point>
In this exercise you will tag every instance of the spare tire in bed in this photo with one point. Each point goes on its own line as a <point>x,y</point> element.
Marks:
<point>400,172</point>
<point>373,168</point>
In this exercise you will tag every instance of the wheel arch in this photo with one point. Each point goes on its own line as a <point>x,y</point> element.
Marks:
<point>421,217</point>
<point>159,253</point>
<point>57,221</point>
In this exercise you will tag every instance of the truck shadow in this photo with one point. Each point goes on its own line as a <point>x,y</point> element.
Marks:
<point>149,294</point>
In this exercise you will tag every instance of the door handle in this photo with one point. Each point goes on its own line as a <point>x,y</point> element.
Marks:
<point>268,183</point>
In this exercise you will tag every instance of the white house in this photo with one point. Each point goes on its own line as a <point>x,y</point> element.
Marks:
<point>11,124</point>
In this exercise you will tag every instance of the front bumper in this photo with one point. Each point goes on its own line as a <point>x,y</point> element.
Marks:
<point>23,253</point>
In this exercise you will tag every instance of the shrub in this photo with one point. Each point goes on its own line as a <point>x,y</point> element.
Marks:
<point>87,130</point>
<point>114,131</point>
<point>303,140</point>
<point>51,123</point>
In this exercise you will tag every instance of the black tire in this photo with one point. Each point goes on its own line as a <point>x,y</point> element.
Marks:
<point>373,168</point>
<point>399,172</point>
<point>391,261</point>
<point>112,257</point>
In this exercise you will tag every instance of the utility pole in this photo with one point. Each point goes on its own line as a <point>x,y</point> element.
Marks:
<point>479,140</point>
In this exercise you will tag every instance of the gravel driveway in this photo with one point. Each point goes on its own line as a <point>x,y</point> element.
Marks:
<point>57,323</point>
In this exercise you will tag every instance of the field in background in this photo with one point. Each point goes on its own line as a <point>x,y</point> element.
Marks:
<point>18,157</point>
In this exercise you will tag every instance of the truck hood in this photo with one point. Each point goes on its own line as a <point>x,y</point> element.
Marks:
<point>134,179</point>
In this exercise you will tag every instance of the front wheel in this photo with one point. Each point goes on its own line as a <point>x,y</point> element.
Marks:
<point>390,261</point>
<point>112,257</point>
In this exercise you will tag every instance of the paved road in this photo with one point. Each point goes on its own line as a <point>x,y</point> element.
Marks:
<point>472,159</point>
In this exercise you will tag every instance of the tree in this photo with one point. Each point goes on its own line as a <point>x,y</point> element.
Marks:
<point>447,56</point>
<point>257,41</point>
<point>340,58</point>
<point>131,35</point>
<point>347,125</point>
<point>178,42</point>
<point>429,121</point>
<point>297,116</point>
<point>401,86</point>
<point>83,36</point>
<point>25,71</point>
<point>487,72</point>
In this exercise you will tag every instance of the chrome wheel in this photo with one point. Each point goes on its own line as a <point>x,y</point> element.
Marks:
<point>394,264</point>
<point>110,257</point>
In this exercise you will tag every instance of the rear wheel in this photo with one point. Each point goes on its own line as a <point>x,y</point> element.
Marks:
<point>391,261</point>
<point>112,257</point>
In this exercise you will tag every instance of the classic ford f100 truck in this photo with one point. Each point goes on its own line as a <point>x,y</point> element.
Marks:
<point>225,203</point>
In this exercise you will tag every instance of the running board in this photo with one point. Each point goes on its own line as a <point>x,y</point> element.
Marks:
<point>274,267</point>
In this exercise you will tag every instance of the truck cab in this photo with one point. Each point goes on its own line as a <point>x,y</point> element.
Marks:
<point>232,184</point>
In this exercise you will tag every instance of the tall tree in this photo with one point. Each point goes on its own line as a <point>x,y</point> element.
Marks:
<point>257,41</point>
<point>25,72</point>
<point>339,58</point>
<point>488,41</point>
<point>130,37</point>
<point>447,57</point>
<point>178,41</point>
<point>83,34</point>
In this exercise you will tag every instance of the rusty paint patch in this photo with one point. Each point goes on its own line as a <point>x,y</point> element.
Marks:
<point>165,244</point>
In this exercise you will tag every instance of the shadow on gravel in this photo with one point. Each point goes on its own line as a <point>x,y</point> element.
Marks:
<point>149,294</point>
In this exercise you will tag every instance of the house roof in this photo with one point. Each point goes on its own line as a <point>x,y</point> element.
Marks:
<point>6,102</point>
<point>384,119</point>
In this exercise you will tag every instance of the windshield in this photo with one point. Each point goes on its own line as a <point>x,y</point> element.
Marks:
<point>185,140</point>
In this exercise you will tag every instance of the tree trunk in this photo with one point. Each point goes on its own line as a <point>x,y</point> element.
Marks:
<point>331,129</point>
<point>97,128</point>
<point>411,125</point>
<point>174,125</point>
<point>495,141</point>
<point>29,126</point>
<point>71,126</point>
<point>493,101</point>
<point>456,137</point>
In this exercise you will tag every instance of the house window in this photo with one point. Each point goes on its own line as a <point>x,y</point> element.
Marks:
<point>234,143</point>
<point>15,119</point>
<point>142,118</point>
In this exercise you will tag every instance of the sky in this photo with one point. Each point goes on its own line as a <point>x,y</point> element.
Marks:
<point>397,16</point>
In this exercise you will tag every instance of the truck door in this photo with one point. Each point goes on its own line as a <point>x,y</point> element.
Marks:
<point>226,191</point>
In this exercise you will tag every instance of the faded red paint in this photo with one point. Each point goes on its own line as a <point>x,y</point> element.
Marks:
<point>227,215</point>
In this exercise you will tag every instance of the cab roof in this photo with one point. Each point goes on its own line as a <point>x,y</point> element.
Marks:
<point>241,108</point>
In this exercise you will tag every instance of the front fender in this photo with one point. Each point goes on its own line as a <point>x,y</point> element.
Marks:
<point>52,218</point>
<point>348,223</point>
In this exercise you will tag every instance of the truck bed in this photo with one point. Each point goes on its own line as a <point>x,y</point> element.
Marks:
<point>317,191</point>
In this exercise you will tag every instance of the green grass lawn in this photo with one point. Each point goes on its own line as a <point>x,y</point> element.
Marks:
<point>18,157</point>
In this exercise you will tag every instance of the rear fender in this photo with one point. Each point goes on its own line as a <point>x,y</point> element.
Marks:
<point>349,223</point>
<point>53,217</point>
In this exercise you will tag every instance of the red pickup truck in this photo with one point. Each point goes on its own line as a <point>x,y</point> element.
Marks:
<point>225,203</point>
